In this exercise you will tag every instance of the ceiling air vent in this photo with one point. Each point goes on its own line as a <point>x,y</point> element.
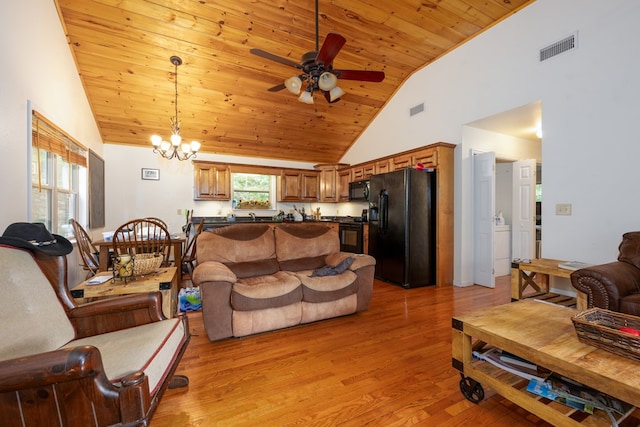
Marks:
<point>564,45</point>
<point>416,110</point>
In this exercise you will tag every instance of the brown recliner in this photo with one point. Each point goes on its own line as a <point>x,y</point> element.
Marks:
<point>614,286</point>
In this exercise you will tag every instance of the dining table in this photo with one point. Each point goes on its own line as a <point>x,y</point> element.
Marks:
<point>105,247</point>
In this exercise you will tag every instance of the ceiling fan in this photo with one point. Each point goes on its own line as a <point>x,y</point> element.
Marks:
<point>318,74</point>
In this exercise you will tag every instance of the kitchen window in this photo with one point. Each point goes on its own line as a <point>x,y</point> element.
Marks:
<point>252,191</point>
<point>58,177</point>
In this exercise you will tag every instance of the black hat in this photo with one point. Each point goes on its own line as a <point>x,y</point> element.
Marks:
<point>35,236</point>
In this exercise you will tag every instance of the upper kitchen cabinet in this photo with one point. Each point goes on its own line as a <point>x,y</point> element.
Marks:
<point>344,178</point>
<point>298,186</point>
<point>428,157</point>
<point>212,181</point>
<point>330,182</point>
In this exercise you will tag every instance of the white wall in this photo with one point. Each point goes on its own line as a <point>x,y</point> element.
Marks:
<point>590,106</point>
<point>37,66</point>
<point>128,196</point>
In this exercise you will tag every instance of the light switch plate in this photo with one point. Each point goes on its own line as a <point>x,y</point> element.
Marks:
<point>563,208</point>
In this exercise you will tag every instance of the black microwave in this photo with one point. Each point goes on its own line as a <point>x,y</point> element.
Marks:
<point>359,191</point>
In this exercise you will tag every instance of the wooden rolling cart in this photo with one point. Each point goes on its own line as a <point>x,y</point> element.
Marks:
<point>548,339</point>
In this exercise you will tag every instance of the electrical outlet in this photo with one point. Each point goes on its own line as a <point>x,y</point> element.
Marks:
<point>563,208</point>
<point>179,211</point>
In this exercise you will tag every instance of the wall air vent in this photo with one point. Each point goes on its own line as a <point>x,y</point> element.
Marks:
<point>416,110</point>
<point>564,45</point>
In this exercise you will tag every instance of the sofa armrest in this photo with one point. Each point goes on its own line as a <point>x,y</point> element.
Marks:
<point>213,271</point>
<point>71,385</point>
<point>114,314</point>
<point>361,260</point>
<point>364,267</point>
<point>606,284</point>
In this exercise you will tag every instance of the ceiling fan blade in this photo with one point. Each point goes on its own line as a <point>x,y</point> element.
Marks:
<point>272,57</point>
<point>362,75</point>
<point>330,48</point>
<point>277,88</point>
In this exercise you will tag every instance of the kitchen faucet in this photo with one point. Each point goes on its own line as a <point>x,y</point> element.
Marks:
<point>253,216</point>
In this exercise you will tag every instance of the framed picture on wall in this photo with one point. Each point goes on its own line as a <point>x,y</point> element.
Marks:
<point>152,174</point>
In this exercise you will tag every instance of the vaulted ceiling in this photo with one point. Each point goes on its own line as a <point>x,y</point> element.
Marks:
<point>122,50</point>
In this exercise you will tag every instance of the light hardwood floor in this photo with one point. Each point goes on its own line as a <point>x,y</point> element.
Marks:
<point>388,366</point>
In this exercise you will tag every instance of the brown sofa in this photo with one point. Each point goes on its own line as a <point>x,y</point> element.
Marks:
<point>259,277</point>
<point>614,286</point>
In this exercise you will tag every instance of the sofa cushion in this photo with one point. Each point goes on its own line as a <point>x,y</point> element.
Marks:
<point>254,268</point>
<point>330,288</point>
<point>629,249</point>
<point>302,248</point>
<point>37,322</point>
<point>151,348</point>
<point>269,319</point>
<point>236,243</point>
<point>274,290</point>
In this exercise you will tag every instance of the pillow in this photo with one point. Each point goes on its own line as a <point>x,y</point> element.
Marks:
<point>339,268</point>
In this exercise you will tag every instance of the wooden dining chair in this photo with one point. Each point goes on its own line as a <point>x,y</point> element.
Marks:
<point>143,235</point>
<point>88,252</point>
<point>189,256</point>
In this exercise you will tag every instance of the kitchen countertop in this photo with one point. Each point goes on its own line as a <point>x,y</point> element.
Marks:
<point>242,220</point>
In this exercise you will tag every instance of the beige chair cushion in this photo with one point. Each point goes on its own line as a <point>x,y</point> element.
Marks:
<point>35,320</point>
<point>150,348</point>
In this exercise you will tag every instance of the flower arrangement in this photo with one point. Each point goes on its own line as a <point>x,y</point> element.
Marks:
<point>253,204</point>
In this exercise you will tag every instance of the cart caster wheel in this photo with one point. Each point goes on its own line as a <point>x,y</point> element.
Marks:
<point>471,389</point>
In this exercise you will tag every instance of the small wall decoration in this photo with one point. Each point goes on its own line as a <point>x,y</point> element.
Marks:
<point>153,174</point>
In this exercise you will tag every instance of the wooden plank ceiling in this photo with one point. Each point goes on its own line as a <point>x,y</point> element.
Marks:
<point>122,50</point>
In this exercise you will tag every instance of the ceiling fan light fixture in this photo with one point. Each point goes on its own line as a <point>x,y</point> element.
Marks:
<point>327,81</point>
<point>306,97</point>
<point>336,93</point>
<point>293,84</point>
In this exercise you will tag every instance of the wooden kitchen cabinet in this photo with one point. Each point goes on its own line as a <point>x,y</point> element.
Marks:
<point>383,166</point>
<point>344,178</point>
<point>330,182</point>
<point>298,186</point>
<point>212,181</point>
<point>427,156</point>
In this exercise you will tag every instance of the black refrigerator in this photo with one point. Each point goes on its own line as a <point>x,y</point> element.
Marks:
<point>402,227</point>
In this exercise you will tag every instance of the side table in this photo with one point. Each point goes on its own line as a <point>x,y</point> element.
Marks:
<point>165,281</point>
<point>536,275</point>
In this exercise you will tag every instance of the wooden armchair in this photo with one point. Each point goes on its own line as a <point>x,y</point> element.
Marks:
<point>105,363</point>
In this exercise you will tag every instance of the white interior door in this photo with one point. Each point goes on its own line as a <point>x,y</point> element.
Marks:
<point>484,195</point>
<point>523,231</point>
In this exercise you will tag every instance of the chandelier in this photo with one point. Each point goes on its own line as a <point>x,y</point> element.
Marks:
<point>176,148</point>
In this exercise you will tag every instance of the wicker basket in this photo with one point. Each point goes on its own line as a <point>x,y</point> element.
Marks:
<point>600,328</point>
<point>146,263</point>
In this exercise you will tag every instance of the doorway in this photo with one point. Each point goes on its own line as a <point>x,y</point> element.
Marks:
<point>510,136</point>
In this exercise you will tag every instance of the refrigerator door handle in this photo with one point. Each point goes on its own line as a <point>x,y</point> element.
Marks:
<point>384,210</point>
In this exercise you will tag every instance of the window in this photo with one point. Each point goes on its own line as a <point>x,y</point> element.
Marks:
<point>252,191</point>
<point>58,177</point>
